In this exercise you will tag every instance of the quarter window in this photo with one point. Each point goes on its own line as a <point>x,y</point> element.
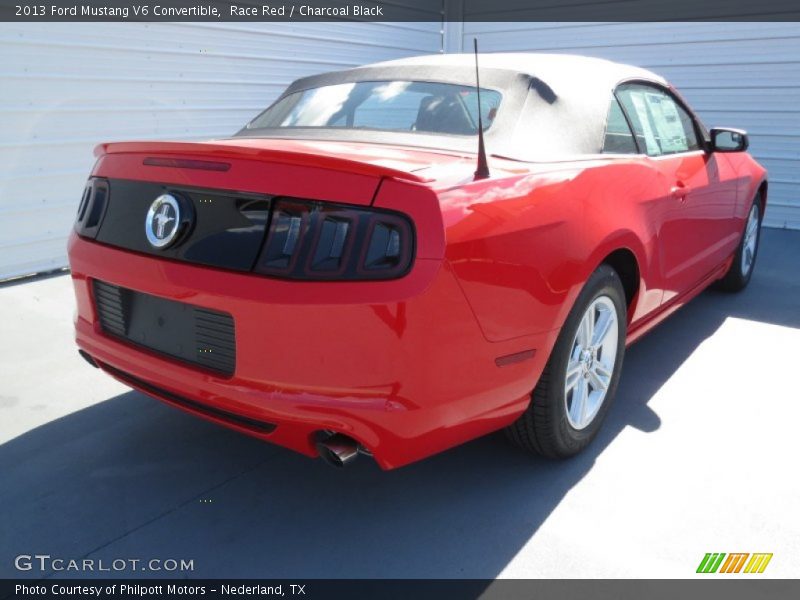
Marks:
<point>618,139</point>
<point>661,125</point>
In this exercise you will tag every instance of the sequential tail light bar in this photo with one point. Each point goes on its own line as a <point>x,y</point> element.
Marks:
<point>92,207</point>
<point>322,241</point>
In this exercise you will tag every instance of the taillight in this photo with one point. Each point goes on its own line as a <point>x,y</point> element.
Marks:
<point>318,241</point>
<point>92,207</point>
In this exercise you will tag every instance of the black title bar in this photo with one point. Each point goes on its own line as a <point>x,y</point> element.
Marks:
<point>398,10</point>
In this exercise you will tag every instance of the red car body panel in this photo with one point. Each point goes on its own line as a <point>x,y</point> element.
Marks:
<point>412,366</point>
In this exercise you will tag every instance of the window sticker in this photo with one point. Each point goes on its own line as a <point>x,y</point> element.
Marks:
<point>667,122</point>
<point>653,148</point>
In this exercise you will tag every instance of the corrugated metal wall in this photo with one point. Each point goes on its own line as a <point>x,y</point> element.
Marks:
<point>734,74</point>
<point>66,87</point>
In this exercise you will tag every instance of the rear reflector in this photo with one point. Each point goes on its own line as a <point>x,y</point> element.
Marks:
<point>512,359</point>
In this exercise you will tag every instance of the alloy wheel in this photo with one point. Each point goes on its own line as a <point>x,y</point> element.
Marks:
<point>591,363</point>
<point>750,242</point>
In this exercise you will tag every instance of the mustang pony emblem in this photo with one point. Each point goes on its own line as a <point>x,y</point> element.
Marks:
<point>162,222</point>
<point>162,219</point>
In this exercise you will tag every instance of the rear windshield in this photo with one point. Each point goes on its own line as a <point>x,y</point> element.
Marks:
<point>414,106</point>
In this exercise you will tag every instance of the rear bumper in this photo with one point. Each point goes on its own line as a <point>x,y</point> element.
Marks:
<point>401,366</point>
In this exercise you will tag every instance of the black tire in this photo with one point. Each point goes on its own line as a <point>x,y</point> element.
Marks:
<point>544,427</point>
<point>735,280</point>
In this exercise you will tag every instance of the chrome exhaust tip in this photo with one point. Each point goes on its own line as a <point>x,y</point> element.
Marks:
<point>338,450</point>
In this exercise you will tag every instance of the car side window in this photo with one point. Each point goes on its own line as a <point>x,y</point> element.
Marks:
<point>619,138</point>
<point>660,124</point>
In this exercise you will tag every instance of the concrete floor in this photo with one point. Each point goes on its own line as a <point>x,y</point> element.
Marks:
<point>699,454</point>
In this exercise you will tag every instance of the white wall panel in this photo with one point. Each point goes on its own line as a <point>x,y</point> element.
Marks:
<point>68,86</point>
<point>734,74</point>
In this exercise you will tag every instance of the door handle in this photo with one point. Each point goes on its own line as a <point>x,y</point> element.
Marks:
<point>679,191</point>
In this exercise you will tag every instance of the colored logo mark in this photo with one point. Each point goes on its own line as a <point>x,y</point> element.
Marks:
<point>719,562</point>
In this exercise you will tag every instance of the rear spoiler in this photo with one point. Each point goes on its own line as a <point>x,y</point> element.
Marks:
<point>230,149</point>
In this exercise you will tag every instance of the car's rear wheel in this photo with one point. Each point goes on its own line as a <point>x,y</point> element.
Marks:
<point>741,269</point>
<point>575,390</point>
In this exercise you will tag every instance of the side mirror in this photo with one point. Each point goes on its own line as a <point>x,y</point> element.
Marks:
<point>729,140</point>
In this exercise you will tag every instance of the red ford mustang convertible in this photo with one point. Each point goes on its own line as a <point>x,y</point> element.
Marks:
<point>348,275</point>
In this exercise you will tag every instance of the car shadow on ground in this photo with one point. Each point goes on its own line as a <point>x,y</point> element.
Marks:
<point>132,478</point>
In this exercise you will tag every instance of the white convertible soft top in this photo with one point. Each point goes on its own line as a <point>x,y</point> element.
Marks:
<point>554,106</point>
<point>557,70</point>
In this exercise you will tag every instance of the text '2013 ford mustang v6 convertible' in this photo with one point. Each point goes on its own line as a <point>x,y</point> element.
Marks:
<point>350,273</point>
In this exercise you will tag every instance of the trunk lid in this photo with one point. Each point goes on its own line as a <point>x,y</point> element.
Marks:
<point>337,171</point>
<point>213,203</point>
